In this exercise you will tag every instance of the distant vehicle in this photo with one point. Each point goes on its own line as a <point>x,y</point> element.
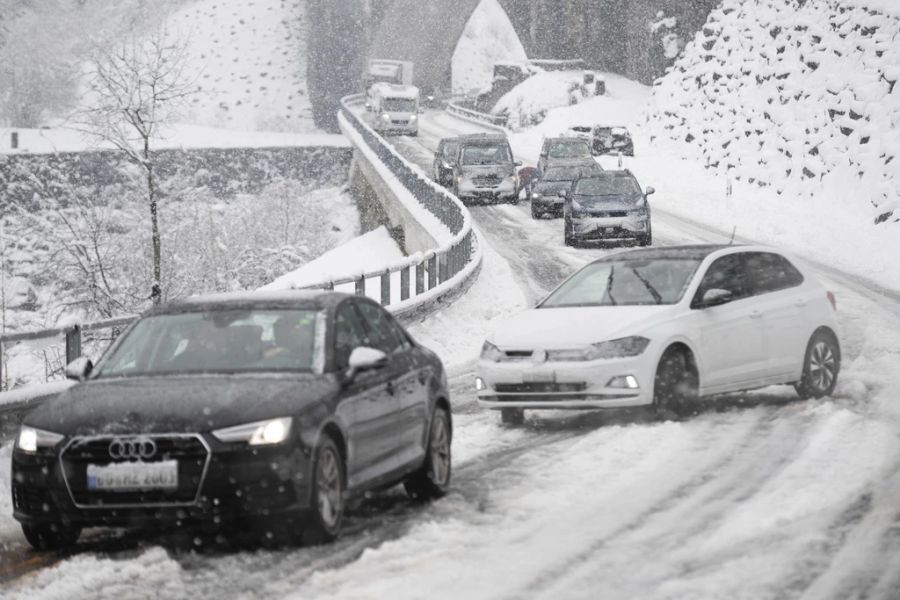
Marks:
<point>612,140</point>
<point>607,206</point>
<point>560,149</point>
<point>274,407</point>
<point>485,169</point>
<point>548,193</point>
<point>662,326</point>
<point>445,160</point>
<point>394,109</point>
<point>382,70</point>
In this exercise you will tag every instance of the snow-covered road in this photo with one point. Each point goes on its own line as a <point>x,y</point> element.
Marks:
<point>758,496</point>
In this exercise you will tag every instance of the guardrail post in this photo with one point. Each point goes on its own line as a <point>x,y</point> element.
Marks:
<point>386,288</point>
<point>361,286</point>
<point>329,286</point>
<point>73,343</point>
<point>432,271</point>
<point>420,278</point>
<point>404,283</point>
<point>2,368</point>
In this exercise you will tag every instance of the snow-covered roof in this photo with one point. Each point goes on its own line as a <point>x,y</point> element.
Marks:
<point>394,90</point>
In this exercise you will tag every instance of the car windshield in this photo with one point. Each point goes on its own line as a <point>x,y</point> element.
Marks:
<point>607,186</point>
<point>399,105</point>
<point>573,149</point>
<point>220,341</point>
<point>485,155</point>
<point>626,283</point>
<point>562,174</point>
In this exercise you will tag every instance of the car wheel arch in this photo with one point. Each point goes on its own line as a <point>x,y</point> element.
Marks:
<point>681,345</point>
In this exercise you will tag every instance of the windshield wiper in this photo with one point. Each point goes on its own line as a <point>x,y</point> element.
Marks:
<point>656,295</point>
<point>609,283</point>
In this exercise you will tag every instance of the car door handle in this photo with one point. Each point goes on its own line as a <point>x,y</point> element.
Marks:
<point>423,377</point>
<point>390,387</point>
<point>756,315</point>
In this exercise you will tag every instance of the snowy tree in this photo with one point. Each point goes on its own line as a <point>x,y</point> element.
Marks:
<point>136,88</point>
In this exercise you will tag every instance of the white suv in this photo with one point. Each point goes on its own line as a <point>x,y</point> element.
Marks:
<point>661,326</point>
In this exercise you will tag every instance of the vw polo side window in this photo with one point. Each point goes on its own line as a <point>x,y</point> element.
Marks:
<point>725,273</point>
<point>769,272</point>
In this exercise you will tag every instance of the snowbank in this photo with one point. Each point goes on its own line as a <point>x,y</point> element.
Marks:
<point>489,38</point>
<point>528,103</point>
<point>798,98</point>
<point>62,139</point>
<point>368,252</point>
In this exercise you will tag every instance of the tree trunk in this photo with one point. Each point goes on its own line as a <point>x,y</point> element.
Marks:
<point>156,287</point>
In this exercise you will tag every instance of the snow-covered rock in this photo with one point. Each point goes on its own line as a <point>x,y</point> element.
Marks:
<point>797,96</point>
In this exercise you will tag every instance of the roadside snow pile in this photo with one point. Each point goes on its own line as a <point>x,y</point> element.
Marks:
<point>250,59</point>
<point>368,252</point>
<point>797,96</point>
<point>488,39</point>
<point>527,103</point>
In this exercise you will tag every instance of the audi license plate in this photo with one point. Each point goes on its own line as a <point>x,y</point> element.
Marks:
<point>129,476</point>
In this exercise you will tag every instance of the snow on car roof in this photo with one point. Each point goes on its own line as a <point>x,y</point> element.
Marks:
<point>251,299</point>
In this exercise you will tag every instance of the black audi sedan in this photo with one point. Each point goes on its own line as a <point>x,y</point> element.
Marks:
<point>279,407</point>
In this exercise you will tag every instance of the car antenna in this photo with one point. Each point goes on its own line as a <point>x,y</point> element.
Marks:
<point>733,231</point>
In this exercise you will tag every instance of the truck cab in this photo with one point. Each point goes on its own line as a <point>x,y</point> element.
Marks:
<point>394,109</point>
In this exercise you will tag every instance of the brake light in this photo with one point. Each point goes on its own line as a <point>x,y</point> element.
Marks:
<point>831,299</point>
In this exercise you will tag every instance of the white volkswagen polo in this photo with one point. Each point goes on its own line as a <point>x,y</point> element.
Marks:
<point>660,326</point>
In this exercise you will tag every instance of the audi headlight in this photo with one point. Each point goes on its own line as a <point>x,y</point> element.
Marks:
<point>386,117</point>
<point>537,195</point>
<point>31,439</point>
<point>414,117</point>
<point>491,352</point>
<point>259,433</point>
<point>620,348</point>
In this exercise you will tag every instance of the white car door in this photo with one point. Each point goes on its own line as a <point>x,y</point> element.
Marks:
<point>730,336</point>
<point>782,299</point>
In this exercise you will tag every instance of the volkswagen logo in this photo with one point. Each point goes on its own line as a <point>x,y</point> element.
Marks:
<point>139,448</point>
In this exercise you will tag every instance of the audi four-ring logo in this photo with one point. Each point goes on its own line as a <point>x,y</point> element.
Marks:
<point>132,448</point>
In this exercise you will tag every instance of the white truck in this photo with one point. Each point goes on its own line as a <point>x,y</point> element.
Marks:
<point>394,109</point>
<point>383,70</point>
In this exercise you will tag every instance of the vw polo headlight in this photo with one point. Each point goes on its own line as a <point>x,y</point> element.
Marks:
<point>259,433</point>
<point>31,439</point>
<point>619,348</point>
<point>491,352</point>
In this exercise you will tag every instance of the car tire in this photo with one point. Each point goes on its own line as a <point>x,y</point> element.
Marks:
<point>646,239</point>
<point>512,416</point>
<point>821,366</point>
<point>535,214</point>
<point>51,536</point>
<point>674,386</point>
<point>327,494</point>
<point>433,479</point>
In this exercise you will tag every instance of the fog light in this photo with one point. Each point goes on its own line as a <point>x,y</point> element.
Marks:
<point>479,384</point>
<point>623,382</point>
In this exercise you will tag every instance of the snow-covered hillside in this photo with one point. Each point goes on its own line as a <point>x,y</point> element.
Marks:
<point>489,38</point>
<point>799,96</point>
<point>250,60</point>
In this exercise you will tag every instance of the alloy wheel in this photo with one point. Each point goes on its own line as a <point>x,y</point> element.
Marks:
<point>329,492</point>
<point>822,366</point>
<point>440,451</point>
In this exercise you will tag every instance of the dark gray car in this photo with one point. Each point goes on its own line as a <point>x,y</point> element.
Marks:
<point>607,206</point>
<point>548,193</point>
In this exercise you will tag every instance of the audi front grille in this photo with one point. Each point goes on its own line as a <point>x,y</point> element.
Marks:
<point>190,450</point>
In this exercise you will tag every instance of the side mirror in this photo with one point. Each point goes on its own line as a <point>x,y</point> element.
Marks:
<point>715,297</point>
<point>517,163</point>
<point>365,359</point>
<point>79,369</point>
<point>650,190</point>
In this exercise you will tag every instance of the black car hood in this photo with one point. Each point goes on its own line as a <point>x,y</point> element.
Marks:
<point>549,188</point>
<point>178,404</point>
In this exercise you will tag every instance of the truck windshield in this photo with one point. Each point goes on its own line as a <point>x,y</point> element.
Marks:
<point>485,155</point>
<point>399,105</point>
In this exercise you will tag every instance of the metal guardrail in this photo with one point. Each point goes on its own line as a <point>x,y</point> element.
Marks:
<point>496,120</point>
